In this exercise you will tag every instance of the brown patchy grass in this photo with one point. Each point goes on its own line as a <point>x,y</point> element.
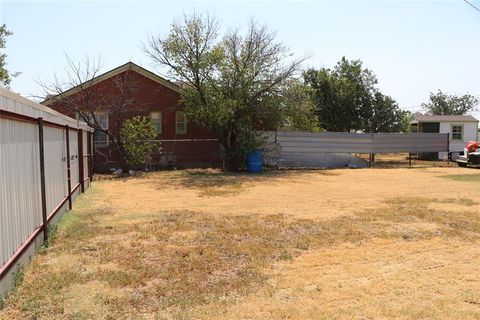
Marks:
<point>313,194</point>
<point>410,256</point>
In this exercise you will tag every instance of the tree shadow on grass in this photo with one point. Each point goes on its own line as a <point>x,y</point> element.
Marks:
<point>214,182</point>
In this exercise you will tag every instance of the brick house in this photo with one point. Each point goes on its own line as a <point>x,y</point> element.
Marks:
<point>183,143</point>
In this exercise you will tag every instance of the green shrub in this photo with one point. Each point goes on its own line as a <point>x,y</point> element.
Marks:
<point>138,141</point>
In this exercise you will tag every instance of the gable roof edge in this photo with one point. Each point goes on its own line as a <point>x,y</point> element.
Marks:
<point>443,118</point>
<point>109,74</point>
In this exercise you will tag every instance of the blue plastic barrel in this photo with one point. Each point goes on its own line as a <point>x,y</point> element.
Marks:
<point>255,161</point>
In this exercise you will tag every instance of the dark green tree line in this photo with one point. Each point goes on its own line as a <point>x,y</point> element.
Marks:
<point>346,99</point>
<point>444,104</point>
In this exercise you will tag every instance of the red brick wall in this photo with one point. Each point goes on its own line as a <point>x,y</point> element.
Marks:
<point>148,96</point>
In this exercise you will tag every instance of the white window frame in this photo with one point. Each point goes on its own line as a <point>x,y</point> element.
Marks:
<point>157,121</point>
<point>177,122</point>
<point>452,133</point>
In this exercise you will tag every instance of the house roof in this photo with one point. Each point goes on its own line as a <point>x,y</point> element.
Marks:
<point>442,118</point>
<point>125,67</point>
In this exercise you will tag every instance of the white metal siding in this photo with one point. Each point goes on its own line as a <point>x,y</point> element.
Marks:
<point>74,158</point>
<point>20,189</point>
<point>55,166</point>
<point>20,206</point>
<point>470,132</point>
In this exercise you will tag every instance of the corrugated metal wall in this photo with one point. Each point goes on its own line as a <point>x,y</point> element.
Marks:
<point>55,166</point>
<point>19,176</point>
<point>333,149</point>
<point>409,142</point>
<point>74,158</point>
<point>20,182</point>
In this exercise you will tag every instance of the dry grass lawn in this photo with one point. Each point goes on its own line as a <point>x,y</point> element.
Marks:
<point>199,244</point>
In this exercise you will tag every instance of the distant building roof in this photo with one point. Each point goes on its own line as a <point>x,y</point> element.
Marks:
<point>446,118</point>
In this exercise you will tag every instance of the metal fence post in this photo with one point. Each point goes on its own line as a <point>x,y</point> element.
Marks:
<point>42,180</point>
<point>80,160</point>
<point>371,158</point>
<point>69,177</point>
<point>90,156</point>
<point>448,148</point>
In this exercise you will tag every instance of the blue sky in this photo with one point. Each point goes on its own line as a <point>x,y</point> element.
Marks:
<point>413,47</point>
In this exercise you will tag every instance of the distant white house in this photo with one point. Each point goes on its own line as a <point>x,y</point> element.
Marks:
<point>461,129</point>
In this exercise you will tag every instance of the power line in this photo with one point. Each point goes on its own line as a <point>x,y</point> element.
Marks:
<point>471,5</point>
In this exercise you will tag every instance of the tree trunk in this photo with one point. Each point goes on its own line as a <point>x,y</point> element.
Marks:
<point>123,160</point>
<point>232,164</point>
<point>124,165</point>
<point>232,160</point>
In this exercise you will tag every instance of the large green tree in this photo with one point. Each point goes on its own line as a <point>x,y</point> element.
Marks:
<point>232,85</point>
<point>5,75</point>
<point>346,99</point>
<point>384,115</point>
<point>340,95</point>
<point>298,109</point>
<point>444,104</point>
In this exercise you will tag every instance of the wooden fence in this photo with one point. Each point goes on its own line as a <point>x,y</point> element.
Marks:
<point>45,161</point>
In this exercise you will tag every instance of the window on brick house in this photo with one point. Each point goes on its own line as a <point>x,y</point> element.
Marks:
<point>156,118</point>
<point>180,122</point>
<point>100,138</point>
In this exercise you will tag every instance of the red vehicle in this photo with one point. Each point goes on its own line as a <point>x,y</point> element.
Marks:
<point>471,155</point>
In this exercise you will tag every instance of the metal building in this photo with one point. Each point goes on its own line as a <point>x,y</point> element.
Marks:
<point>45,162</point>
